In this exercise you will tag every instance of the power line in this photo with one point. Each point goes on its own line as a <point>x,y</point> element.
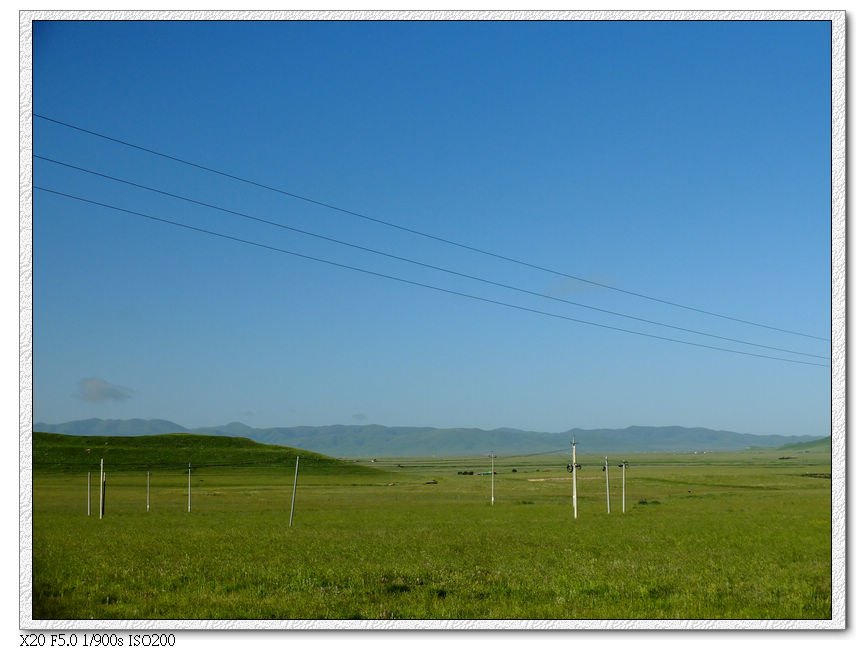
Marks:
<point>420,233</point>
<point>423,264</point>
<point>274,463</point>
<point>537,453</point>
<point>420,284</point>
<point>429,461</point>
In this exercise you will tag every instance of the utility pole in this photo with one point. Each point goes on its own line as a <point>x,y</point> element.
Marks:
<point>573,467</point>
<point>293,492</point>
<point>189,490</point>
<point>607,477</point>
<point>574,472</point>
<point>493,477</point>
<point>101,487</point>
<point>624,466</point>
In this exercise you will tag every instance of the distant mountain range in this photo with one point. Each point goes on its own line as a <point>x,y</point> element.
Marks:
<point>358,441</point>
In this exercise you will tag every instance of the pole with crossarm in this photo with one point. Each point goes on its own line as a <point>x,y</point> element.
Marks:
<point>624,466</point>
<point>574,472</point>
<point>607,477</point>
<point>573,467</point>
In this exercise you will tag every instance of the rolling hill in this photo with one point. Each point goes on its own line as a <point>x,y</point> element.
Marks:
<point>358,441</point>
<point>61,452</point>
<point>821,444</point>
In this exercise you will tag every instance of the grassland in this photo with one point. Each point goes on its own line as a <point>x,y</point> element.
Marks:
<point>715,536</point>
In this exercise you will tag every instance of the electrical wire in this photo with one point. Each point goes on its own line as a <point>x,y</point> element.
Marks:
<point>420,284</point>
<point>418,263</point>
<point>421,233</point>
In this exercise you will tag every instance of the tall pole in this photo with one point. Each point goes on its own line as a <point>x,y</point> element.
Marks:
<point>607,473</point>
<point>574,463</point>
<point>101,487</point>
<point>189,490</point>
<point>293,493</point>
<point>624,465</point>
<point>493,477</point>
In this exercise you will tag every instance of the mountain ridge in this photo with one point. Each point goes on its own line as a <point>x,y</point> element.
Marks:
<point>348,440</point>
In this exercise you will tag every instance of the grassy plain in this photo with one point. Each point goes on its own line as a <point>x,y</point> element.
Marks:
<point>715,536</point>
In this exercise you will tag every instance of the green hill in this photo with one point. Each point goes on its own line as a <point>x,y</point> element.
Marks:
<point>821,444</point>
<point>59,452</point>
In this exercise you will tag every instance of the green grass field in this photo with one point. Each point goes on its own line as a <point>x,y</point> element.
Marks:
<point>711,536</point>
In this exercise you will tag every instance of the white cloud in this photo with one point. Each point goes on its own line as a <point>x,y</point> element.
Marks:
<point>94,389</point>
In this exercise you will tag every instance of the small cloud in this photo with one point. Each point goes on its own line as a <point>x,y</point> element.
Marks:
<point>93,389</point>
<point>359,417</point>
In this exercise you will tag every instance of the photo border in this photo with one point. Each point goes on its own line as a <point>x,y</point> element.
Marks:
<point>838,336</point>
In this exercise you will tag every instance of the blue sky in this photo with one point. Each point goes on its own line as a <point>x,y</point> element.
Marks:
<point>686,160</point>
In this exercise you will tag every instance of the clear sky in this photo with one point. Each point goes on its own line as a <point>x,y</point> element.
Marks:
<point>688,161</point>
